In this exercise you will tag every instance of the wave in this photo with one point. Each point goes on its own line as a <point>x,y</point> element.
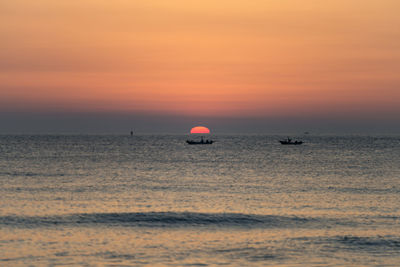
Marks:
<point>32,174</point>
<point>368,242</point>
<point>169,219</point>
<point>363,190</point>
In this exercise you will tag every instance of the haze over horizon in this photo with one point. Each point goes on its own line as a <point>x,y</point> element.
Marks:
<point>122,124</point>
<point>284,66</point>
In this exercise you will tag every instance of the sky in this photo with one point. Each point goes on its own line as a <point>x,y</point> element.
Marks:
<point>262,66</point>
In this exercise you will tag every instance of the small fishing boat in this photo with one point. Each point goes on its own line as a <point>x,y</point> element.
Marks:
<point>289,141</point>
<point>207,142</point>
<point>201,142</point>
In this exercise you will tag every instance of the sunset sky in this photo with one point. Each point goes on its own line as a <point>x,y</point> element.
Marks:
<point>180,63</point>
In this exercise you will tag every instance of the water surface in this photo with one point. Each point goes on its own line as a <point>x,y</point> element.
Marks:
<point>242,201</point>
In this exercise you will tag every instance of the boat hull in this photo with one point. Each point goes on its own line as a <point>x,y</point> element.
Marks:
<point>291,143</point>
<point>199,143</point>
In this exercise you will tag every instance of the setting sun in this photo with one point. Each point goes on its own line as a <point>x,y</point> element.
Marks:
<point>199,129</point>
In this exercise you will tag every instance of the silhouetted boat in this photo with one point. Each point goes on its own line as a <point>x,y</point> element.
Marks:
<point>201,142</point>
<point>290,142</point>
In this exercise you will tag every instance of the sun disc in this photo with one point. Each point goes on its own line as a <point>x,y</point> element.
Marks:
<point>200,130</point>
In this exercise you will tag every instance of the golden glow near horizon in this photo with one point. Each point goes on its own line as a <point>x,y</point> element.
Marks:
<point>225,58</point>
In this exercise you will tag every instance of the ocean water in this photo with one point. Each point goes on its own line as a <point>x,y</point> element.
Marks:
<point>243,201</point>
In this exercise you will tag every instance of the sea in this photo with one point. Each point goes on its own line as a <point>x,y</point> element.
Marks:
<point>153,200</point>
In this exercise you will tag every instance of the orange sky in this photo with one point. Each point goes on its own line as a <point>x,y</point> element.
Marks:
<point>224,58</point>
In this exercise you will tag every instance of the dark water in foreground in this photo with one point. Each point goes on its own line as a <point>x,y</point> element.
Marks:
<point>155,201</point>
